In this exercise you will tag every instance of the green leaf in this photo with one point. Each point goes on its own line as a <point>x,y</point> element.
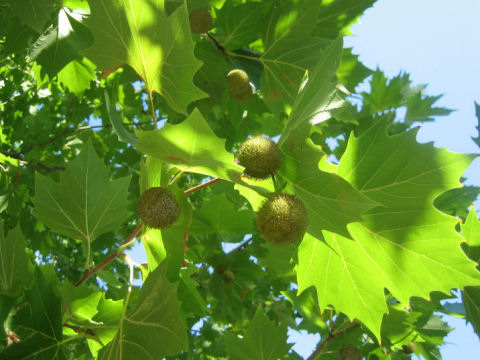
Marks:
<point>116,120</point>
<point>262,340</point>
<point>351,71</point>
<point>477,114</point>
<point>138,33</point>
<point>289,50</point>
<point>191,146</point>
<point>331,201</point>
<point>218,215</point>
<point>84,204</point>
<point>105,323</point>
<point>154,328</point>
<point>405,245</point>
<point>80,302</point>
<point>317,96</point>
<point>471,234</point>
<point>307,305</point>
<point>400,327</point>
<point>188,294</point>
<point>420,108</point>
<point>456,202</point>
<point>38,323</point>
<point>15,267</point>
<point>77,75</point>
<point>61,44</point>
<point>237,26</point>
<point>471,294</point>
<point>32,13</point>
<point>337,16</point>
<point>387,94</point>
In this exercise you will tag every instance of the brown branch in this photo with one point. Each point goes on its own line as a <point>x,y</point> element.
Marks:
<point>216,42</point>
<point>330,337</point>
<point>201,186</point>
<point>152,109</point>
<point>79,330</point>
<point>109,259</point>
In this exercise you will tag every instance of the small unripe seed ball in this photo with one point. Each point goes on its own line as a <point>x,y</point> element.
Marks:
<point>260,156</point>
<point>409,348</point>
<point>228,276</point>
<point>350,352</point>
<point>244,97</point>
<point>238,82</point>
<point>201,20</point>
<point>158,208</point>
<point>282,219</point>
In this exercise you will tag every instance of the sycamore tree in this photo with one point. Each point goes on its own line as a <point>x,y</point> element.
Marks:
<point>146,122</point>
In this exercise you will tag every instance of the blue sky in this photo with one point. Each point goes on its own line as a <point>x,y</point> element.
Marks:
<point>437,42</point>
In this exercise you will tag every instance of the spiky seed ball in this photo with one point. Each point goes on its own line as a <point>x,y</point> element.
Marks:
<point>158,208</point>
<point>349,352</point>
<point>244,97</point>
<point>282,219</point>
<point>238,82</point>
<point>260,156</point>
<point>409,348</point>
<point>201,20</point>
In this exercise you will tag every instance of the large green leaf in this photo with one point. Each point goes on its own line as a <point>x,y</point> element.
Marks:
<point>331,201</point>
<point>262,340</point>
<point>61,44</point>
<point>77,75</point>
<point>191,146</point>
<point>218,215</point>
<point>471,294</point>
<point>138,33</point>
<point>84,204</point>
<point>38,323</point>
<point>289,50</point>
<point>154,328</point>
<point>405,245</point>
<point>32,13</point>
<point>238,25</point>
<point>317,96</point>
<point>15,268</point>
<point>338,15</point>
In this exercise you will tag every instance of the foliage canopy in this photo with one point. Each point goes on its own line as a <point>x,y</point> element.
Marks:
<point>104,99</point>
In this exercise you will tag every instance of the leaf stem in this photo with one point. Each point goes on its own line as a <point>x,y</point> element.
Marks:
<point>152,109</point>
<point>329,338</point>
<point>201,186</point>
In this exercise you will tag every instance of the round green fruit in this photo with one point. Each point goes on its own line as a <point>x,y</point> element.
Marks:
<point>260,156</point>
<point>244,97</point>
<point>238,82</point>
<point>349,352</point>
<point>282,219</point>
<point>201,20</point>
<point>228,276</point>
<point>158,208</point>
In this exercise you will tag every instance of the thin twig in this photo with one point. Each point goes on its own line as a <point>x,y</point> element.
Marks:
<point>201,186</point>
<point>330,337</point>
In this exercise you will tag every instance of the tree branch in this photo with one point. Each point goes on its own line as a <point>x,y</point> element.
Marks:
<point>329,338</point>
<point>216,42</point>
<point>109,259</point>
